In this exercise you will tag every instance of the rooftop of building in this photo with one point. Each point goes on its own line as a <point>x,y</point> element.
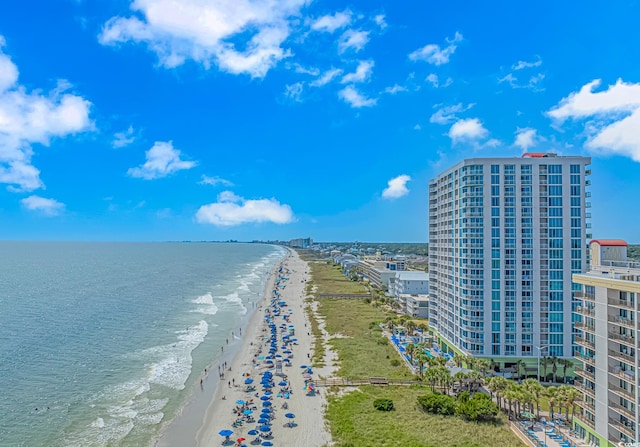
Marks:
<point>609,242</point>
<point>408,275</point>
<point>620,270</point>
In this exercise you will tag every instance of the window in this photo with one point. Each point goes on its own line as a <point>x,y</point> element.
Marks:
<point>555,201</point>
<point>525,169</point>
<point>576,232</point>
<point>575,223</point>
<point>555,222</point>
<point>510,169</point>
<point>495,222</point>
<point>575,179</point>
<point>555,264</point>
<point>575,201</point>
<point>555,232</point>
<point>509,191</point>
<point>495,201</point>
<point>495,212</point>
<point>495,190</point>
<point>555,212</point>
<point>555,190</point>
<point>555,180</point>
<point>575,190</point>
<point>495,169</point>
<point>495,179</point>
<point>575,212</point>
<point>555,169</point>
<point>575,169</point>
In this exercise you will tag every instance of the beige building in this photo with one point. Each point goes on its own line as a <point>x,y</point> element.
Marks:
<point>606,325</point>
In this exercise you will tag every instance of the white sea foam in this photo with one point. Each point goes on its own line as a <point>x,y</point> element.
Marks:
<point>98,423</point>
<point>206,305</point>
<point>174,366</point>
<point>234,298</point>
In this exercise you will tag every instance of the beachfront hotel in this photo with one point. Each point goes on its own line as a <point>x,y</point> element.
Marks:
<point>505,236</point>
<point>606,316</point>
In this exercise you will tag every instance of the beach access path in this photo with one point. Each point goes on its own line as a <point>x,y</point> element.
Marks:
<point>309,427</point>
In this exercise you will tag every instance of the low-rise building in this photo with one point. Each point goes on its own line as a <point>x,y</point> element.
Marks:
<point>417,305</point>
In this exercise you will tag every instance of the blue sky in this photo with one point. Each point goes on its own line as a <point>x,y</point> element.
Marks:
<point>276,119</point>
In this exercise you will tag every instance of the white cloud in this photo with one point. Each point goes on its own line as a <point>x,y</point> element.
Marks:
<point>356,100</point>
<point>326,77</point>
<point>240,36</point>
<point>395,89</point>
<point>469,129</point>
<point>433,79</point>
<point>447,114</point>
<point>510,79</point>
<point>524,64</point>
<point>351,39</point>
<point>615,112</point>
<point>362,73</point>
<point>48,207</point>
<point>526,138</point>
<point>330,23</point>
<point>213,181</point>
<point>294,91</point>
<point>397,187</point>
<point>232,210</point>
<point>380,21</point>
<point>417,127</point>
<point>161,160</point>
<point>33,117</point>
<point>124,138</point>
<point>304,70</point>
<point>433,54</point>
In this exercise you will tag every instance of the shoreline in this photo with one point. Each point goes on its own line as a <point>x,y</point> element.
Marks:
<point>306,426</point>
<point>186,425</point>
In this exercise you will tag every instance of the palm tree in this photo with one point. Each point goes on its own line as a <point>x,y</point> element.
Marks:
<point>554,367</point>
<point>460,377</point>
<point>571,397</point>
<point>475,378</point>
<point>444,376</point>
<point>432,376</point>
<point>497,385</point>
<point>536,390</point>
<point>410,350</point>
<point>421,358</point>
<point>565,363</point>
<point>519,365</point>
<point>410,325</point>
<point>545,362</point>
<point>554,397</point>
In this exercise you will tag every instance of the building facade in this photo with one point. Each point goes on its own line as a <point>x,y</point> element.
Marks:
<point>606,329</point>
<point>505,236</point>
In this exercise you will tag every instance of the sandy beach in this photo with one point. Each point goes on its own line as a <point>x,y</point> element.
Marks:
<point>295,412</point>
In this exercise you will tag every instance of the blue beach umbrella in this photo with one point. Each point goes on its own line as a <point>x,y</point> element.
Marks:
<point>248,381</point>
<point>265,428</point>
<point>266,410</point>
<point>266,404</point>
<point>265,398</point>
<point>253,432</point>
<point>247,412</point>
<point>225,433</point>
<point>290,415</point>
<point>267,443</point>
<point>263,421</point>
<point>282,384</point>
<point>240,402</point>
<point>303,366</point>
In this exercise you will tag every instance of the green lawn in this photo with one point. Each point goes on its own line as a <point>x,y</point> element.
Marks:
<point>329,279</point>
<point>355,423</point>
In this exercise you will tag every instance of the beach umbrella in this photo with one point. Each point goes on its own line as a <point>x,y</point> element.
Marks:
<point>265,398</point>
<point>225,433</point>
<point>266,410</point>
<point>248,381</point>
<point>267,443</point>
<point>266,404</point>
<point>240,402</point>
<point>253,432</point>
<point>263,421</point>
<point>282,384</point>
<point>268,393</point>
<point>290,415</point>
<point>265,428</point>
<point>246,374</point>
<point>240,439</point>
<point>303,366</point>
<point>247,412</point>
<point>527,415</point>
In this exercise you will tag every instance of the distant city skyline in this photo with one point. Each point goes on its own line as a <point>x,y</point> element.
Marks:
<point>259,120</point>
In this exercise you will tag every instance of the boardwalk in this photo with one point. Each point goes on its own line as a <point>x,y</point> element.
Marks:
<point>382,381</point>
<point>344,295</point>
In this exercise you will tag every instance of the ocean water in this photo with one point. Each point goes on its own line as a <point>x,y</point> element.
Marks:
<point>102,343</point>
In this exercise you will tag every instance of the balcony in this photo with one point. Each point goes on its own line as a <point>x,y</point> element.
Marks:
<point>628,376</point>
<point>585,374</point>
<point>628,428</point>
<point>584,342</point>
<point>586,359</point>
<point>627,394</point>
<point>622,338</point>
<point>621,356</point>
<point>625,304</point>
<point>585,390</point>
<point>585,311</point>
<point>628,412</point>
<point>621,321</point>
<point>586,406</point>
<point>584,296</point>
<point>585,327</point>
<point>587,422</point>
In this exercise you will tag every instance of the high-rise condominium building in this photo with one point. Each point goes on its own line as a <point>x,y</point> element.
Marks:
<point>607,345</point>
<point>505,236</point>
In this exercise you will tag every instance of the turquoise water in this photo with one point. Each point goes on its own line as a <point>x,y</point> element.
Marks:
<point>101,343</point>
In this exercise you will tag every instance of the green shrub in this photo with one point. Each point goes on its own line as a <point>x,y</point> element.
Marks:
<point>479,407</point>
<point>437,404</point>
<point>383,404</point>
<point>395,362</point>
